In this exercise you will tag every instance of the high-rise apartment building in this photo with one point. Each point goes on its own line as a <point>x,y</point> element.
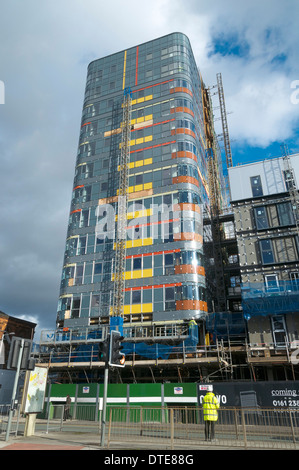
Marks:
<point>164,273</point>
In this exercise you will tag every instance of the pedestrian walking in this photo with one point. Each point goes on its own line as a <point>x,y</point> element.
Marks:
<point>210,413</point>
<point>67,408</point>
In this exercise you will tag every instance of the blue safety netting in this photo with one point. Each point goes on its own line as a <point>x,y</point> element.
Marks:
<point>225,324</point>
<point>276,298</point>
<point>157,350</point>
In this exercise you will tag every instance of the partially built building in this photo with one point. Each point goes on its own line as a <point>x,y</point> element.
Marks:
<point>151,246</point>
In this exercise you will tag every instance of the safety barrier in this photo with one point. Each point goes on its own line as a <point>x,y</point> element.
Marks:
<point>236,427</point>
<point>4,413</point>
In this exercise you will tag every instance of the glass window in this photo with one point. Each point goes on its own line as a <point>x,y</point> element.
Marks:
<point>261,218</point>
<point>81,245</point>
<point>147,262</point>
<point>95,305</point>
<point>271,281</point>
<point>169,293</point>
<point>136,297</point>
<point>256,186</point>
<point>147,296</point>
<point>169,298</point>
<point>137,263</point>
<point>285,214</point>
<point>76,307</point>
<point>98,268</point>
<point>79,275</point>
<point>279,330</point>
<point>168,259</point>
<point>266,252</point>
<point>139,179</point>
<point>289,180</point>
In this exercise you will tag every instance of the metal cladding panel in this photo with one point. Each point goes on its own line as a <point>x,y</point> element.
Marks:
<point>270,171</point>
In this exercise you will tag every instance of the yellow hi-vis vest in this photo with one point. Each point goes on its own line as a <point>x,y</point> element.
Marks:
<point>210,407</point>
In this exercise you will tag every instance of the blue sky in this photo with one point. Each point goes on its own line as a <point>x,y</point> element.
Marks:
<point>45,48</point>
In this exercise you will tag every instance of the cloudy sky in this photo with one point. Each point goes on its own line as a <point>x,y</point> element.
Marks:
<point>45,48</point>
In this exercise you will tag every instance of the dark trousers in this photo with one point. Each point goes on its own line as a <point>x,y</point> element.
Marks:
<point>66,414</point>
<point>209,430</point>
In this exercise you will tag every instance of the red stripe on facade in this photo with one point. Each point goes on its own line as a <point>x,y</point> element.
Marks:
<point>153,146</point>
<point>157,286</point>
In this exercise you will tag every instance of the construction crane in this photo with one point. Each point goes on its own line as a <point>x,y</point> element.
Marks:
<point>120,244</point>
<point>215,201</point>
<point>226,140</point>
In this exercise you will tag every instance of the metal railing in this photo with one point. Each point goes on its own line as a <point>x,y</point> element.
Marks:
<point>4,414</point>
<point>236,427</point>
<point>95,334</point>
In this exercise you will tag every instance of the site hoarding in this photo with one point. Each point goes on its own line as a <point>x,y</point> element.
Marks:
<point>283,394</point>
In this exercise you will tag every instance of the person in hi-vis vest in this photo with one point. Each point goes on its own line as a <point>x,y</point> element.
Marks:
<point>210,413</point>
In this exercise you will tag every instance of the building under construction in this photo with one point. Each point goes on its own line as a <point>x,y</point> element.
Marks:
<point>151,247</point>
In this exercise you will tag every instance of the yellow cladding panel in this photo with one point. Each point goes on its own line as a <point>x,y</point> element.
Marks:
<point>139,187</point>
<point>149,138</point>
<point>141,100</point>
<point>139,308</point>
<point>147,308</point>
<point>124,71</point>
<point>142,213</point>
<point>147,241</point>
<point>141,119</point>
<point>147,273</point>
<point>138,141</point>
<point>136,308</point>
<point>137,274</point>
<point>136,243</point>
<point>147,161</point>
<point>127,309</point>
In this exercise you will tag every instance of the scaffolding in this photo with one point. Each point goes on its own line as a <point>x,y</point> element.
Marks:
<point>291,184</point>
<point>121,234</point>
<point>216,201</point>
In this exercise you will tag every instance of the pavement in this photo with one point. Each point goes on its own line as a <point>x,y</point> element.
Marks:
<point>87,437</point>
<point>53,441</point>
<point>90,441</point>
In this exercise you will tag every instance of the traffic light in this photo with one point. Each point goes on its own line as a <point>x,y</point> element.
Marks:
<point>26,363</point>
<point>116,359</point>
<point>103,350</point>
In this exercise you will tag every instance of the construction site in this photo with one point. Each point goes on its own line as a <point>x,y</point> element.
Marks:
<point>184,302</point>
